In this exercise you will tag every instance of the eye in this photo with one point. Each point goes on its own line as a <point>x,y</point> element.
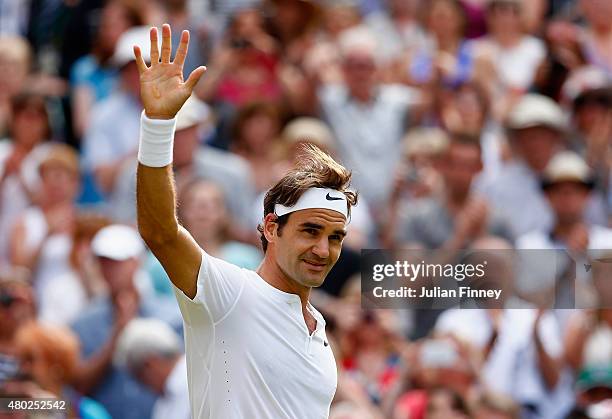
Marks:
<point>311,231</point>
<point>336,237</point>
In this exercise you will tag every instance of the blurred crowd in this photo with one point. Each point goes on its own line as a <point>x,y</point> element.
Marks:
<point>467,124</point>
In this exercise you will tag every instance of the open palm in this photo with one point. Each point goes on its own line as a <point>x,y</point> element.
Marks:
<point>162,88</point>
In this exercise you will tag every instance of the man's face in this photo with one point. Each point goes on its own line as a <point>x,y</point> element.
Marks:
<point>118,274</point>
<point>568,201</point>
<point>359,71</point>
<point>537,145</point>
<point>463,164</point>
<point>309,245</point>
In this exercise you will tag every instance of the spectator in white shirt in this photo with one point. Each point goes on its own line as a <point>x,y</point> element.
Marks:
<point>151,350</point>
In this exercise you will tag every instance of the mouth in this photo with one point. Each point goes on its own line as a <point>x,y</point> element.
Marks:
<point>314,265</point>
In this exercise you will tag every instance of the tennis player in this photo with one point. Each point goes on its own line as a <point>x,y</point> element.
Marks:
<point>255,346</point>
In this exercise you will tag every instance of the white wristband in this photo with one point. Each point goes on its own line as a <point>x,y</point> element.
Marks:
<point>156,141</point>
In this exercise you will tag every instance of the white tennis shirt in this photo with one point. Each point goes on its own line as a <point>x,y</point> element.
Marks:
<point>248,350</point>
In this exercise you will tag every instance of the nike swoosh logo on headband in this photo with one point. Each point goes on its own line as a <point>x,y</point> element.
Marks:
<point>332,198</point>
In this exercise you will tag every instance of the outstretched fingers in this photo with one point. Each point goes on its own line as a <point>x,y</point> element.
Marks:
<point>139,60</point>
<point>166,48</point>
<point>181,52</point>
<point>154,46</point>
<point>194,77</point>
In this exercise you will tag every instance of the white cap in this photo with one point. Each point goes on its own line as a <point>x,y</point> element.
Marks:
<point>317,198</point>
<point>535,111</point>
<point>117,242</point>
<point>193,112</point>
<point>567,166</point>
<point>144,337</point>
<point>124,50</point>
<point>309,129</point>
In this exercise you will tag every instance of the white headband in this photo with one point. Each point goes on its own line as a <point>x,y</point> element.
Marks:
<point>317,198</point>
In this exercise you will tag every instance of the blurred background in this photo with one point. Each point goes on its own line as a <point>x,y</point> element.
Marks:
<point>467,124</point>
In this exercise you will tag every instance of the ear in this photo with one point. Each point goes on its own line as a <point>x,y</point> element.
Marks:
<point>270,227</point>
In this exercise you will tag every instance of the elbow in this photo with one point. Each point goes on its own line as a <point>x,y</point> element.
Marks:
<point>156,238</point>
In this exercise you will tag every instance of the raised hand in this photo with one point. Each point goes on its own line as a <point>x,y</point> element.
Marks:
<point>162,89</point>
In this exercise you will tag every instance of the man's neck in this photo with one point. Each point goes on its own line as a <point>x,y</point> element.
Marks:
<point>274,275</point>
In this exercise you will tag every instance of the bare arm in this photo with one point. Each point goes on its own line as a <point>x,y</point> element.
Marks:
<point>163,92</point>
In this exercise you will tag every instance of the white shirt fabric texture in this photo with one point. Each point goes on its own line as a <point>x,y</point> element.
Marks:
<point>174,402</point>
<point>248,350</point>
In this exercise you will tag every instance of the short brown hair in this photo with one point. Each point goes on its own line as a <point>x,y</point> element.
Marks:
<point>315,169</point>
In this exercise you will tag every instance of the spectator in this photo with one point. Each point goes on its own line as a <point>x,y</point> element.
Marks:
<point>367,117</point>
<point>152,352</point>
<point>118,249</point>
<point>41,237</point>
<point>82,283</point>
<point>19,160</point>
<point>446,57</point>
<point>515,54</point>
<point>536,128</point>
<point>107,146</point>
<point>243,67</point>
<point>458,217</point>
<point>93,77</point>
<point>49,358</point>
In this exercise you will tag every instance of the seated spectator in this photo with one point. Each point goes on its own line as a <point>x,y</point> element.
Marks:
<point>19,160</point>
<point>459,216</point>
<point>41,238</point>
<point>93,77</point>
<point>82,283</point>
<point>106,146</point>
<point>118,250</point>
<point>49,359</point>
<point>152,352</point>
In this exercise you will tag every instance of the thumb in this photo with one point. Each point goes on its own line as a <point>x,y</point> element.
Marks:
<point>194,77</point>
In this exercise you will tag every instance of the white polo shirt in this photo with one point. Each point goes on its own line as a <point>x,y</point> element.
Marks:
<point>248,350</point>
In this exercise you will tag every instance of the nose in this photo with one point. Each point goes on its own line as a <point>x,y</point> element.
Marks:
<point>321,248</point>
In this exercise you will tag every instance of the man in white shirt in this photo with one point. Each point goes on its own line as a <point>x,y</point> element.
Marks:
<point>255,346</point>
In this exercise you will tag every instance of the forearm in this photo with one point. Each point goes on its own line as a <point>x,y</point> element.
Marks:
<point>156,204</point>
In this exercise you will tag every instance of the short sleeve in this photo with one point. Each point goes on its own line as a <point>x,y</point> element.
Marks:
<point>218,289</point>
